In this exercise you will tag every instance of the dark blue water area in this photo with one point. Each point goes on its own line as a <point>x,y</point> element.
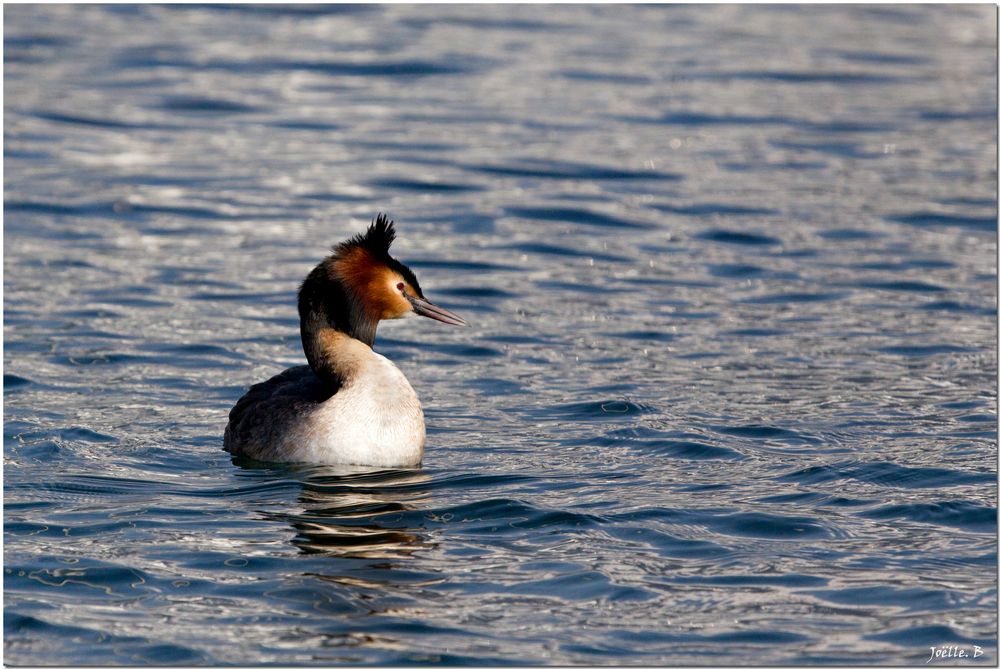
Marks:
<point>728,393</point>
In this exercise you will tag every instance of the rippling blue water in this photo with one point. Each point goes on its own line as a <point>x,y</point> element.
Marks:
<point>730,392</point>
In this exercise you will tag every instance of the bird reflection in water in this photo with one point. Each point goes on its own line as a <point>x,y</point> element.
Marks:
<point>368,515</point>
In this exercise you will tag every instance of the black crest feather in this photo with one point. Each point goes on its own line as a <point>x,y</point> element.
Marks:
<point>377,239</point>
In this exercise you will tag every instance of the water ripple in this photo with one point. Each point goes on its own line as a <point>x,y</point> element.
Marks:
<point>555,169</point>
<point>887,474</point>
<point>728,395</point>
<point>954,513</point>
<point>930,219</point>
<point>737,237</point>
<point>572,215</point>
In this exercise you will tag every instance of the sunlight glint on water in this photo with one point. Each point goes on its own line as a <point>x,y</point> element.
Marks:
<point>729,393</point>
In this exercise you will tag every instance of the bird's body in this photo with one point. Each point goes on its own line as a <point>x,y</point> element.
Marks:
<point>350,405</point>
<point>374,420</point>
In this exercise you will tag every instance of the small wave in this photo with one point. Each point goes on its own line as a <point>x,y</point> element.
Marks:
<point>841,149</point>
<point>765,637</point>
<point>278,297</point>
<point>788,298</point>
<point>55,208</point>
<point>849,234</point>
<point>805,77</point>
<point>915,263</point>
<point>555,169</point>
<point>645,335</point>
<point>420,185</point>
<point>958,307</point>
<point>795,165</point>
<point>925,636</point>
<point>924,351</point>
<point>697,119</point>
<point>85,434</point>
<point>833,126</point>
<point>583,585</point>
<point>933,219</point>
<point>542,248</point>
<point>792,580</point>
<point>715,209</point>
<point>101,358</point>
<point>96,122</point>
<point>13,382</point>
<point>737,237</point>
<point>465,350</point>
<point>580,216</point>
<point>957,115</point>
<point>82,580</point>
<point>37,40</point>
<point>887,474</point>
<point>467,265</point>
<point>983,202</point>
<point>689,450</point>
<point>602,77</point>
<point>954,513</point>
<point>736,271</point>
<point>402,68</point>
<point>906,286</point>
<point>610,409</point>
<point>755,332</point>
<point>268,11</point>
<point>908,599</point>
<point>768,432</point>
<point>306,124</point>
<point>116,209</point>
<point>191,103</point>
<point>480,292</point>
<point>103,647</point>
<point>881,57</point>
<point>488,23</point>
<point>383,68</point>
<point>766,526</point>
<point>668,545</point>
<point>511,516</point>
<point>678,445</point>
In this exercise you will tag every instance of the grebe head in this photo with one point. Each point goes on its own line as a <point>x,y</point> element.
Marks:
<point>361,284</point>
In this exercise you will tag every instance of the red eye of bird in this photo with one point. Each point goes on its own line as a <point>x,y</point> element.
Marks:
<point>399,287</point>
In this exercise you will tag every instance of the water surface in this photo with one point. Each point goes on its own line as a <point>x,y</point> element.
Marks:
<point>729,396</point>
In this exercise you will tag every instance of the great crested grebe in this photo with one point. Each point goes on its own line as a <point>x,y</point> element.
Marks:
<point>349,405</point>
